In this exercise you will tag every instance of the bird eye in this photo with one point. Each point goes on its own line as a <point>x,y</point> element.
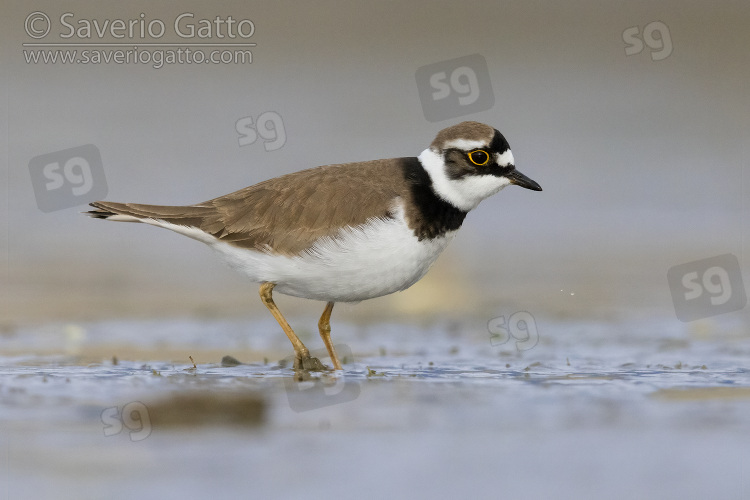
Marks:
<point>479,157</point>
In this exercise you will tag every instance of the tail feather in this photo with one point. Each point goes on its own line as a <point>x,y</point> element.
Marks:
<point>132,212</point>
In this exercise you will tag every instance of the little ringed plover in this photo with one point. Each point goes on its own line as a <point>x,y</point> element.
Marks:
<point>344,233</point>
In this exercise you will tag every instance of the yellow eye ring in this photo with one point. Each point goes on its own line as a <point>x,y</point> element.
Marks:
<point>482,155</point>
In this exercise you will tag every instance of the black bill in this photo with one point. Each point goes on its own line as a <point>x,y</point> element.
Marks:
<point>519,179</point>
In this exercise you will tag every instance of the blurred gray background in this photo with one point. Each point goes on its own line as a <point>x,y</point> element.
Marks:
<point>643,158</point>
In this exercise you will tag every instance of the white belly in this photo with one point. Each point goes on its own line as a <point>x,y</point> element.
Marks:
<point>379,258</point>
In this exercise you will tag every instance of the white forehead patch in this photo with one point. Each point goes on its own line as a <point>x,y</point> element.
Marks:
<point>505,159</point>
<point>464,144</point>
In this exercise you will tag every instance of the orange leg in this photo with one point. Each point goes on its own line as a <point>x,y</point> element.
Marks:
<point>302,354</point>
<point>324,325</point>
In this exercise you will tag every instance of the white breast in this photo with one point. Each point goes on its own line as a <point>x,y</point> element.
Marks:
<point>376,259</point>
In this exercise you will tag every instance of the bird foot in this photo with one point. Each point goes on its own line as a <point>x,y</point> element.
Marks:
<point>310,364</point>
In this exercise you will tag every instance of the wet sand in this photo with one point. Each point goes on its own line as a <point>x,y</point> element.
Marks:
<point>595,409</point>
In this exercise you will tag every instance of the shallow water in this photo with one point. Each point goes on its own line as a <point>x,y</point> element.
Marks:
<point>639,409</point>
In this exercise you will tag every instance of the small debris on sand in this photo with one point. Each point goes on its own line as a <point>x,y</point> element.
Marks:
<point>229,361</point>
